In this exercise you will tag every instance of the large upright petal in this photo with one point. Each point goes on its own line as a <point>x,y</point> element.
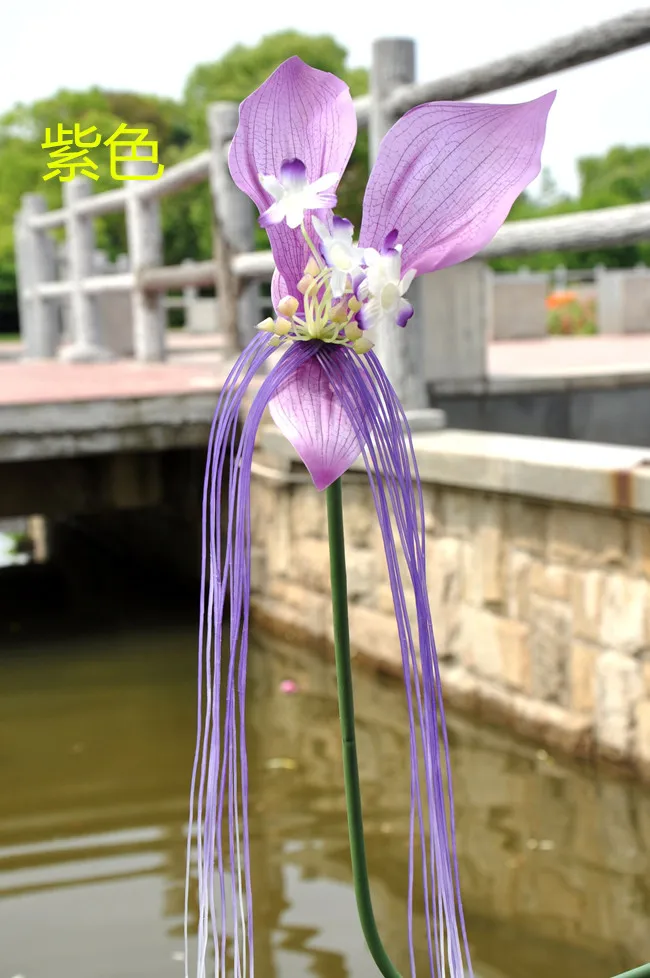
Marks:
<point>298,113</point>
<point>447,175</point>
<point>312,418</point>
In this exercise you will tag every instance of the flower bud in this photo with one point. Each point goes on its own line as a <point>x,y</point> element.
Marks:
<point>288,306</point>
<point>352,332</point>
<point>304,283</point>
<point>267,325</point>
<point>282,326</point>
<point>312,267</point>
<point>354,305</point>
<point>363,345</point>
<point>339,313</point>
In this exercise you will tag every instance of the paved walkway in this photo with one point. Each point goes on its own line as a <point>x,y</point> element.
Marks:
<point>196,362</point>
<point>558,356</point>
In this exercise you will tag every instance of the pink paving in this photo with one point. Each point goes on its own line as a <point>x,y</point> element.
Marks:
<point>556,356</point>
<point>196,364</point>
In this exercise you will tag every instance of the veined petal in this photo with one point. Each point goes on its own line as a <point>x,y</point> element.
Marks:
<point>447,175</point>
<point>311,417</point>
<point>297,113</point>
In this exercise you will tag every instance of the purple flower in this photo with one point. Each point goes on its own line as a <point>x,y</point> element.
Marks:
<point>444,181</point>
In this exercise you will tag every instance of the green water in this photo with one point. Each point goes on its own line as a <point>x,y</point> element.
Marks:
<point>97,732</point>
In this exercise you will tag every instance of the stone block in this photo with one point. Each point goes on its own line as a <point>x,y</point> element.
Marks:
<point>514,639</point>
<point>444,570</point>
<point>362,567</point>
<point>518,571</point>
<point>640,546</point>
<point>308,513</point>
<point>583,538</point>
<point>642,731</point>
<point>550,581</point>
<point>457,512</point>
<point>494,647</point>
<point>618,690</point>
<point>550,638</point>
<point>489,549</point>
<point>360,514</point>
<point>310,564</point>
<point>278,538</point>
<point>582,676</point>
<point>624,608</point>
<point>430,496</point>
<point>375,635</point>
<point>525,525</point>
<point>586,604</point>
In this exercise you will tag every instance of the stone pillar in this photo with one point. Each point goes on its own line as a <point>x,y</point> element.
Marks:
<point>234,232</point>
<point>35,263</point>
<point>87,342</point>
<point>144,236</point>
<point>401,351</point>
<point>190,295</point>
<point>456,313</point>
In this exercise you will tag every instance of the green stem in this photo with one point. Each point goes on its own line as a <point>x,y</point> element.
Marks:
<point>346,713</point>
<point>643,971</point>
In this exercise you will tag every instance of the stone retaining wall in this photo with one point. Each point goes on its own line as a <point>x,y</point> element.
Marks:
<point>539,578</point>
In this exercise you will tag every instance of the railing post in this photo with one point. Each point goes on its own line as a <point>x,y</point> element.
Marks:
<point>144,236</point>
<point>234,231</point>
<point>87,345</point>
<point>400,350</point>
<point>190,295</point>
<point>35,263</point>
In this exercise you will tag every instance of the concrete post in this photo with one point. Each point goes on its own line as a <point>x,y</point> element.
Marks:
<point>234,231</point>
<point>35,263</point>
<point>87,343</point>
<point>190,295</point>
<point>144,236</point>
<point>400,350</point>
<point>457,306</point>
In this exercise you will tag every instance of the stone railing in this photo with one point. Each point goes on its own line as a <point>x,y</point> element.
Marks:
<point>236,268</point>
<point>539,578</point>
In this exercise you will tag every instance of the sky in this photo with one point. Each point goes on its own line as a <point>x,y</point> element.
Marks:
<point>143,46</point>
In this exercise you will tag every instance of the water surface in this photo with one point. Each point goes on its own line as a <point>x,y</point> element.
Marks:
<point>96,740</point>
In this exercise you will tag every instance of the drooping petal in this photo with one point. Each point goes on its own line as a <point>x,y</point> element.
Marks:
<point>447,175</point>
<point>311,417</point>
<point>382,427</point>
<point>219,790</point>
<point>299,113</point>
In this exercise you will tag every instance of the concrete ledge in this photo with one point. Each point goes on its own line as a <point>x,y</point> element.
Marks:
<point>68,429</point>
<point>584,473</point>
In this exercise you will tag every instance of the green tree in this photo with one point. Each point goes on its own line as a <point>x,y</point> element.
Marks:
<point>621,176</point>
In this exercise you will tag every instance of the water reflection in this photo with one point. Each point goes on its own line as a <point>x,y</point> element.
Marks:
<point>96,739</point>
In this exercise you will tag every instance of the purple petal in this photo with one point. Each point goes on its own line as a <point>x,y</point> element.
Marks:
<point>293,172</point>
<point>389,242</point>
<point>312,418</point>
<point>342,224</point>
<point>298,113</point>
<point>274,215</point>
<point>447,175</point>
<point>404,312</point>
